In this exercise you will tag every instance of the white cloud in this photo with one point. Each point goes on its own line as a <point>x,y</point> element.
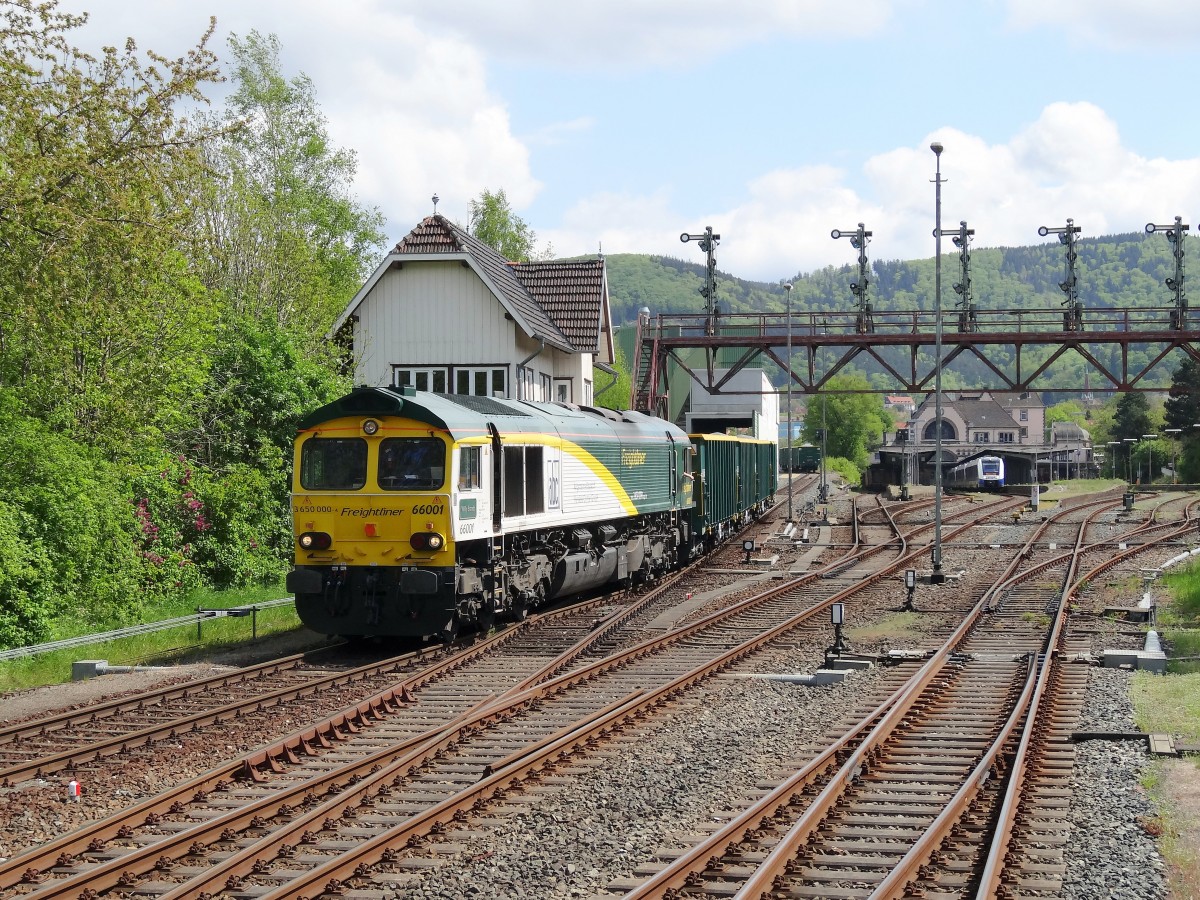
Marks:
<point>1068,163</point>
<point>1114,24</point>
<point>415,106</point>
<point>665,33</point>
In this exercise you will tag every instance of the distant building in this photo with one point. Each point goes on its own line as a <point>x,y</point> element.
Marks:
<point>1012,425</point>
<point>445,312</point>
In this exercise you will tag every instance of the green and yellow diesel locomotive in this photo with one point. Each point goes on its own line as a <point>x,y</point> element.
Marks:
<point>417,514</point>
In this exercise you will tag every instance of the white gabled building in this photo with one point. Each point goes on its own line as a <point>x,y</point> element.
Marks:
<point>445,312</point>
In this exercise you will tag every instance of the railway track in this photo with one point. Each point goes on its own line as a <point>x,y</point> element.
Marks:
<point>344,829</point>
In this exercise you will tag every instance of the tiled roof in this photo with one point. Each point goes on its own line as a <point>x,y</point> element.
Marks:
<point>1010,399</point>
<point>437,234</point>
<point>572,292</point>
<point>975,412</point>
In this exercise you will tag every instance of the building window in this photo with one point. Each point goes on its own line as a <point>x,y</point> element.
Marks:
<point>587,392</point>
<point>1006,437</point>
<point>1024,415</point>
<point>423,379</point>
<point>948,431</point>
<point>484,382</point>
<point>983,437</point>
<point>546,395</point>
<point>525,383</point>
<point>562,390</point>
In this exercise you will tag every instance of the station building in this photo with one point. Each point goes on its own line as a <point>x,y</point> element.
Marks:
<point>974,423</point>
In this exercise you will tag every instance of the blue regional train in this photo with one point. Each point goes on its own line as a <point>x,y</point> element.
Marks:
<point>986,473</point>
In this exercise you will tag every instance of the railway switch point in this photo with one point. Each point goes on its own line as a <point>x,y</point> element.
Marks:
<point>849,662</point>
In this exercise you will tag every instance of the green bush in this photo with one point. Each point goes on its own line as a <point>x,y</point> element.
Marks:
<point>250,534</point>
<point>68,548</point>
<point>850,473</point>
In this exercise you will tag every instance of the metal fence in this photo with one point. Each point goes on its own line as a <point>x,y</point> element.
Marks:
<point>196,618</point>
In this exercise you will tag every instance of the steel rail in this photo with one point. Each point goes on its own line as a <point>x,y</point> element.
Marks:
<point>989,884</point>
<point>678,632</point>
<point>676,875</point>
<point>347,864</point>
<point>492,710</point>
<point>301,743</point>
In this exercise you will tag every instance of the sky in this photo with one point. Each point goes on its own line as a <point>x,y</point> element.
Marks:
<point>617,126</point>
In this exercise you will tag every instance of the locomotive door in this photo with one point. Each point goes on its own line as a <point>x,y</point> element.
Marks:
<point>497,478</point>
<point>673,466</point>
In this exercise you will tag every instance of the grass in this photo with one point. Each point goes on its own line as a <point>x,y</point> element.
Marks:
<point>172,645</point>
<point>897,626</point>
<point>1171,704</point>
<point>1075,487</point>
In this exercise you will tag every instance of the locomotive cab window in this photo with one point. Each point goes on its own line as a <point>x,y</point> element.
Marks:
<point>333,464</point>
<point>411,464</point>
<point>469,471</point>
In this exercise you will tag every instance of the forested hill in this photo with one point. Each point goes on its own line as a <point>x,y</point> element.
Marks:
<point>1123,270</point>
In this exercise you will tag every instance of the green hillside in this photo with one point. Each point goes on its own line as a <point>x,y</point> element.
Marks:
<point>1124,270</point>
<point>1114,272</point>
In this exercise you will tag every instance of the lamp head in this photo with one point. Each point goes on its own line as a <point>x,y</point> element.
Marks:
<point>936,147</point>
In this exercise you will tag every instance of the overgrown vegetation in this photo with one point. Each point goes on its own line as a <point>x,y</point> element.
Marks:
<point>167,282</point>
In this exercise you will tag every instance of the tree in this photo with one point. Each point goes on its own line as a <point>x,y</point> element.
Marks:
<point>97,188</point>
<point>281,237</point>
<point>1182,409</point>
<point>854,422</point>
<point>1132,418</point>
<point>494,223</point>
<point>1066,411</point>
<point>610,394</point>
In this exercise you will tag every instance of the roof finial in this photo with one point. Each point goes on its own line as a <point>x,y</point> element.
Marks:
<point>435,202</point>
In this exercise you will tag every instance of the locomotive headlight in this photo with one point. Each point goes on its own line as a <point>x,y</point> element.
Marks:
<point>427,540</point>
<point>315,540</point>
<point>370,427</point>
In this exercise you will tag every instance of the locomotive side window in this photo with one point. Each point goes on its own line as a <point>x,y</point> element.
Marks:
<point>514,477</point>
<point>524,481</point>
<point>535,486</point>
<point>469,470</point>
<point>333,464</point>
<point>411,464</point>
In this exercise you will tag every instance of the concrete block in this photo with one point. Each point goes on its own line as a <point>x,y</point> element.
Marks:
<point>83,669</point>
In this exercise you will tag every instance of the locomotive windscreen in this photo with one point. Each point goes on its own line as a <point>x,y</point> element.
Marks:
<point>411,464</point>
<point>333,464</point>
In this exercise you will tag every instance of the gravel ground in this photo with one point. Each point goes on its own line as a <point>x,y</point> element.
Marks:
<point>684,775</point>
<point>1110,853</point>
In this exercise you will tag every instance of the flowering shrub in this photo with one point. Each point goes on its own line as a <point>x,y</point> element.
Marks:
<point>198,527</point>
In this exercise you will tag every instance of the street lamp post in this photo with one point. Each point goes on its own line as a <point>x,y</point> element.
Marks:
<point>1129,458</point>
<point>1150,447</point>
<point>938,576</point>
<point>1112,458</point>
<point>788,288</point>
<point>824,492</point>
<point>1174,432</point>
